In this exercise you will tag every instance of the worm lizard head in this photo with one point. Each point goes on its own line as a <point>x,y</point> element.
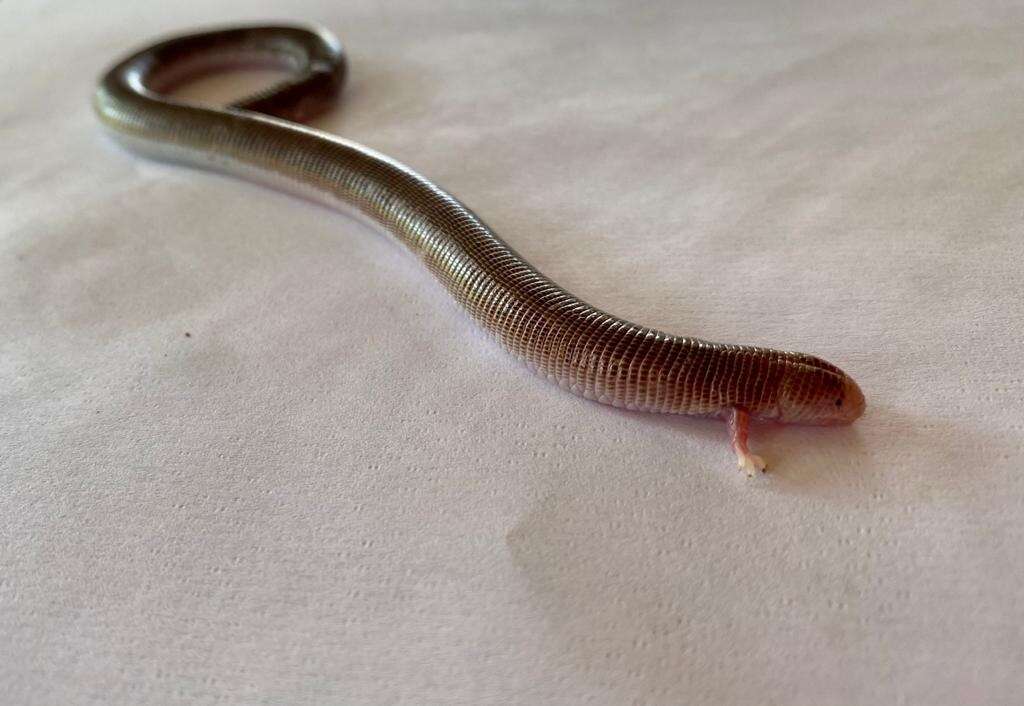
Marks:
<point>815,392</point>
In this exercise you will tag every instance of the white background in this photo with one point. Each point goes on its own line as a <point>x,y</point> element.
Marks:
<point>336,490</point>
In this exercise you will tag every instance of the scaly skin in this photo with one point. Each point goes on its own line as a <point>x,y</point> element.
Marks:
<point>585,350</point>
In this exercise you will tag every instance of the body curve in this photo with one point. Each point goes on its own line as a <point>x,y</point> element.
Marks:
<point>580,347</point>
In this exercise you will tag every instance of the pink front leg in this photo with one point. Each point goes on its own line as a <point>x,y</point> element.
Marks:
<point>739,424</point>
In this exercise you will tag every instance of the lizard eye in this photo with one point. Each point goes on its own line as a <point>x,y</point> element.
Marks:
<point>839,402</point>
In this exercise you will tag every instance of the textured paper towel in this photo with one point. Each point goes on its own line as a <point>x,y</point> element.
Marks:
<point>252,454</point>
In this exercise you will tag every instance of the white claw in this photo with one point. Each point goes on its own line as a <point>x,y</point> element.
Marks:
<point>751,463</point>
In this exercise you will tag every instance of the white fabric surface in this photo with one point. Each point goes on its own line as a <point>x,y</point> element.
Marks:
<point>333,489</point>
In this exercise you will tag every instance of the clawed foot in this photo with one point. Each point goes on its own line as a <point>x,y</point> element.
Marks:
<point>751,463</point>
<point>739,423</point>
